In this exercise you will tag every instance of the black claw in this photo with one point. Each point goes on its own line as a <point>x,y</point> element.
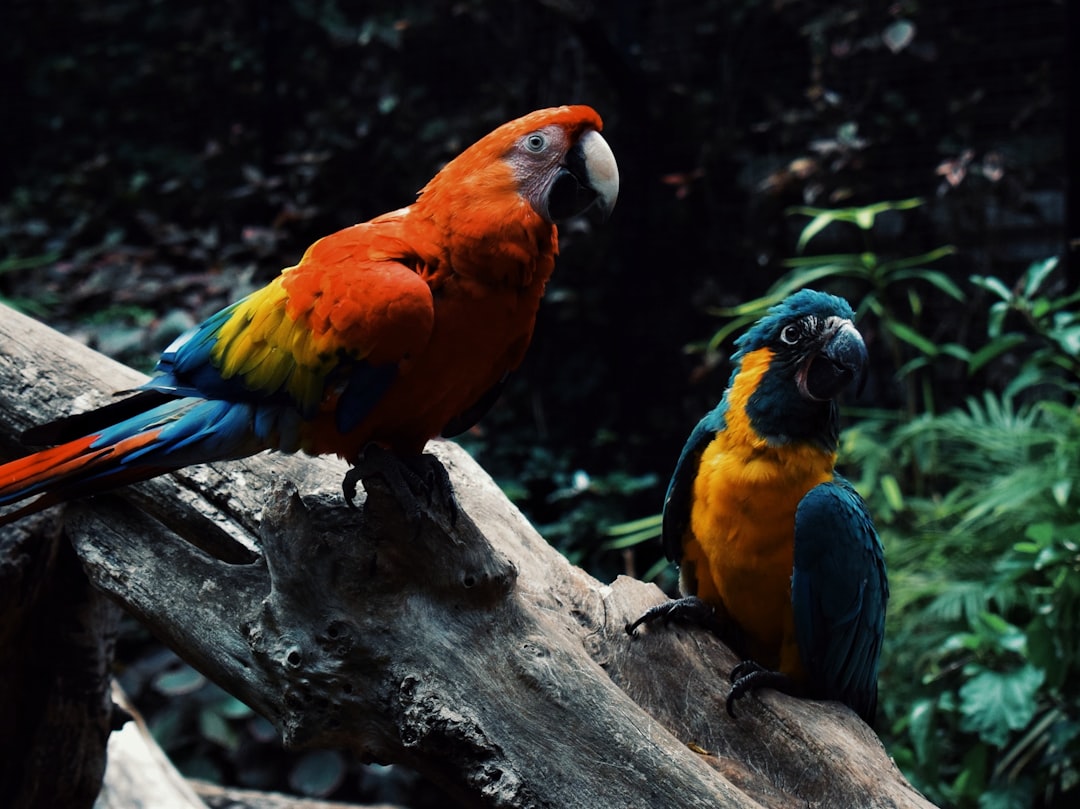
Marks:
<point>749,676</point>
<point>745,668</point>
<point>416,478</point>
<point>690,610</point>
<point>348,485</point>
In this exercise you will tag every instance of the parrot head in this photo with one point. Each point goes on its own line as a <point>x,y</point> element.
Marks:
<point>553,160</point>
<point>814,354</point>
<point>562,171</point>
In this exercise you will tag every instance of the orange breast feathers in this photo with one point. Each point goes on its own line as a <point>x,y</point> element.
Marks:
<point>741,538</point>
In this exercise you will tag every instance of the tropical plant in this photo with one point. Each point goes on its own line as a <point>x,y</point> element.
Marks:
<point>979,682</point>
<point>982,662</point>
<point>1050,328</point>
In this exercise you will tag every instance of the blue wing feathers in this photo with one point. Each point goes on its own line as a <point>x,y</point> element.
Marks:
<point>190,413</point>
<point>839,591</point>
<point>365,386</point>
<point>187,369</point>
<point>680,492</point>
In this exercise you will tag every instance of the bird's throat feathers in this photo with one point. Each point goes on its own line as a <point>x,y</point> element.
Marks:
<point>747,446</point>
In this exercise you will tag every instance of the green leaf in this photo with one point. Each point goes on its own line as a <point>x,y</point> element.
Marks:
<point>865,218</point>
<point>214,728</point>
<point>16,264</point>
<point>653,521</point>
<point>1006,635</point>
<point>1019,794</point>
<point>232,708</point>
<point>992,704</point>
<point>957,351</point>
<point>921,729</point>
<point>1061,491</point>
<point>995,323</point>
<point>912,337</point>
<point>1040,532</point>
<point>898,35</point>
<point>1037,274</point>
<point>991,284</point>
<point>994,349</point>
<point>318,773</point>
<point>727,330</point>
<point>852,259</point>
<point>179,681</point>
<point>1045,650</point>
<point>971,781</point>
<point>630,540</point>
<point>167,726</point>
<point>658,567</point>
<point>939,280</point>
<point>816,225</point>
<point>893,494</point>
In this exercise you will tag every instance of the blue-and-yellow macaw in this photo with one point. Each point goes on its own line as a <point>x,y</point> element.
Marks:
<point>777,552</point>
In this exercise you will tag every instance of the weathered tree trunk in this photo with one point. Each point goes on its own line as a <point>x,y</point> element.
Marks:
<point>56,639</point>
<point>460,645</point>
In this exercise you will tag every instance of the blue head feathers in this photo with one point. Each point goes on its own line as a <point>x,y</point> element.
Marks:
<point>800,304</point>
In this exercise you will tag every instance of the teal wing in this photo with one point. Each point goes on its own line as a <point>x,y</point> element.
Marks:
<point>680,492</point>
<point>839,591</point>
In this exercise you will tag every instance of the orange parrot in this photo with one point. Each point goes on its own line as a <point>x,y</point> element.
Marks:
<point>389,332</point>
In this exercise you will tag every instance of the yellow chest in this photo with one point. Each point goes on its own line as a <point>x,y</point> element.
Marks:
<point>741,536</point>
<point>744,503</point>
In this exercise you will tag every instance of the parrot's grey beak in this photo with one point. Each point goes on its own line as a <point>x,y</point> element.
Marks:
<point>840,362</point>
<point>590,177</point>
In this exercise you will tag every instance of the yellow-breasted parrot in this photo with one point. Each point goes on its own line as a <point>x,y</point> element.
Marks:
<point>777,552</point>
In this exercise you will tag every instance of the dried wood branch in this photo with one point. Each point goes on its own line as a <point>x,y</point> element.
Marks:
<point>461,645</point>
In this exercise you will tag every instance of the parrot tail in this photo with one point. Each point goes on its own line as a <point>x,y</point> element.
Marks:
<point>166,437</point>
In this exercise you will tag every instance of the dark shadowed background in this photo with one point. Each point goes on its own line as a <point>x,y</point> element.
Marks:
<point>161,159</point>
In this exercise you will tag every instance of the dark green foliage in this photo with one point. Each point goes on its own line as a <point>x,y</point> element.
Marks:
<point>983,539</point>
<point>161,159</point>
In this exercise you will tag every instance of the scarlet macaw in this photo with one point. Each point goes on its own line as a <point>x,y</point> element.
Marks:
<point>392,331</point>
<point>777,552</point>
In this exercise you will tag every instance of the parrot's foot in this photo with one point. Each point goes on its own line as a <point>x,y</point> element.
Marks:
<point>414,477</point>
<point>749,676</point>
<point>689,610</point>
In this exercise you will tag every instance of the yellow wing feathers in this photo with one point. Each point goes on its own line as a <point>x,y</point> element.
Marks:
<point>271,352</point>
<point>292,334</point>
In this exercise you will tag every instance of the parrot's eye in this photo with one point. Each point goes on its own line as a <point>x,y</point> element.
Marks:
<point>791,333</point>
<point>535,142</point>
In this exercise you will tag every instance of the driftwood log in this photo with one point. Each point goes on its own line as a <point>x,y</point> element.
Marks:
<point>462,645</point>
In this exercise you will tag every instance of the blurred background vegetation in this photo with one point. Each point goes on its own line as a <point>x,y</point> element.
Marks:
<point>160,159</point>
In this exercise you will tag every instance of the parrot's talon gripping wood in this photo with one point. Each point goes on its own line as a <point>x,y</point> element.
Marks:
<point>395,330</point>
<point>353,476</point>
<point>419,480</point>
<point>748,677</point>
<point>690,610</point>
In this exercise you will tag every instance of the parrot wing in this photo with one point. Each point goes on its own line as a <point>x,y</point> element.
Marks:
<point>330,332</point>
<point>679,497</point>
<point>326,335</point>
<point>838,592</point>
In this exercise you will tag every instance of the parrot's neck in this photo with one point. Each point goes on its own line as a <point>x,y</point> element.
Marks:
<point>774,413</point>
<point>478,226</point>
